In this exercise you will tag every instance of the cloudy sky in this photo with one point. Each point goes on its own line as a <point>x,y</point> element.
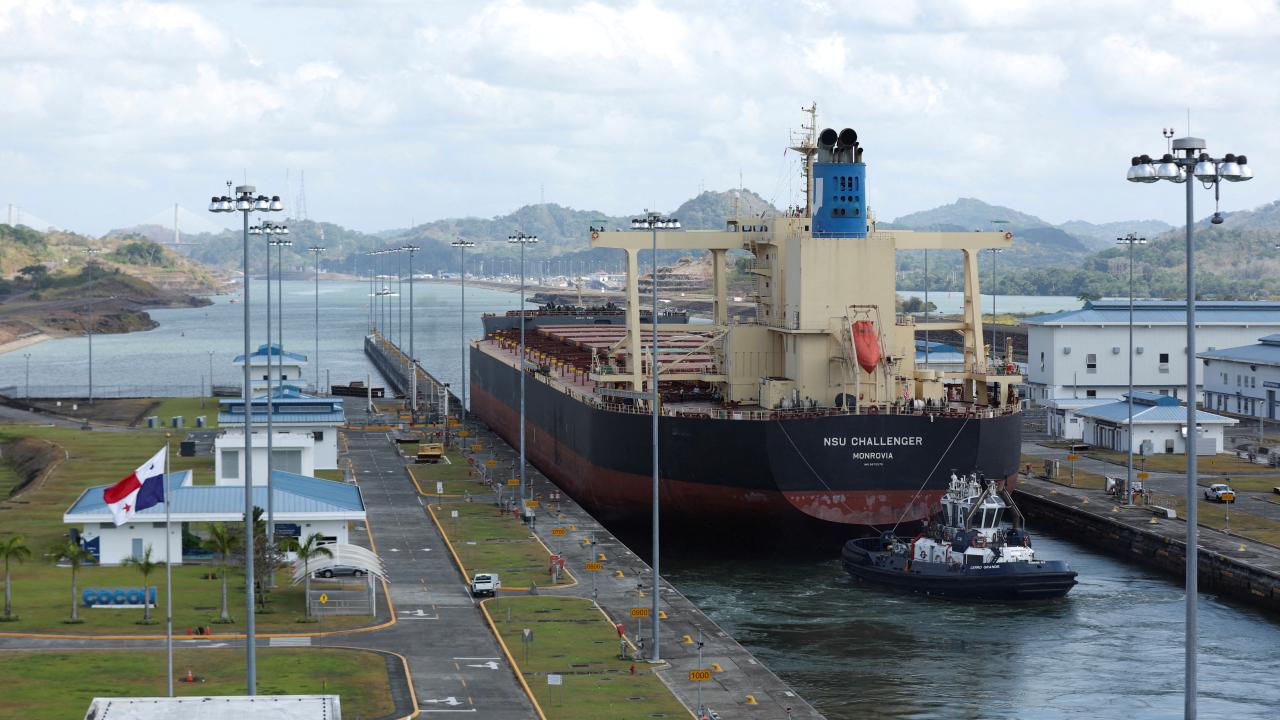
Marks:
<point>406,112</point>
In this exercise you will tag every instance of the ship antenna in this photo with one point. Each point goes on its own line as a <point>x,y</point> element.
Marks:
<point>806,144</point>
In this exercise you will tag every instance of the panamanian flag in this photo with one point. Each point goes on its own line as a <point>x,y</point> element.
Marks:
<point>141,490</point>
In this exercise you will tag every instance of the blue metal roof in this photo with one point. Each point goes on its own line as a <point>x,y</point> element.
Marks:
<point>301,418</point>
<point>292,494</point>
<point>1163,414</point>
<point>1148,399</point>
<point>273,351</point>
<point>1165,312</point>
<point>1265,352</point>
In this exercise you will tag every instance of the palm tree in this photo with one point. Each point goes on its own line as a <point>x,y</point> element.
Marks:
<point>146,566</point>
<point>74,554</point>
<point>307,551</point>
<point>14,549</point>
<point>223,541</point>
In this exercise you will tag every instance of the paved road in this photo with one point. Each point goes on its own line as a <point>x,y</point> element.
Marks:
<point>451,651</point>
<point>1258,503</point>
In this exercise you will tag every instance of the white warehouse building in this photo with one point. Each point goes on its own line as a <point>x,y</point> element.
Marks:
<point>291,412</point>
<point>1082,353</point>
<point>1244,380</point>
<point>1159,426</point>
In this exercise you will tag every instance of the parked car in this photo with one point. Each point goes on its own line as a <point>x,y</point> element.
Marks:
<point>340,570</point>
<point>485,584</point>
<point>1220,492</point>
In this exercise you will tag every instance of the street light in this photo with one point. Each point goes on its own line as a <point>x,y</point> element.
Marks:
<point>413,359</point>
<point>244,201</point>
<point>90,252</point>
<point>27,356</point>
<point>519,238</point>
<point>1131,240</point>
<point>317,251</point>
<point>654,222</point>
<point>462,246</point>
<point>1191,160</point>
<point>273,229</point>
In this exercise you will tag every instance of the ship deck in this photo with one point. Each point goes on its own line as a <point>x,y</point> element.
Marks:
<point>562,357</point>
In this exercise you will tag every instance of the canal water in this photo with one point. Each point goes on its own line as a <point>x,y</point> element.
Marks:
<point>1111,649</point>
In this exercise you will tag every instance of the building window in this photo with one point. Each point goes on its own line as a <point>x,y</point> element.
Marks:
<point>318,435</point>
<point>231,464</point>
<point>1091,393</point>
<point>1091,363</point>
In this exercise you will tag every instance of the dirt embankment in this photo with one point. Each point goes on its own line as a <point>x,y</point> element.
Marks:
<point>29,459</point>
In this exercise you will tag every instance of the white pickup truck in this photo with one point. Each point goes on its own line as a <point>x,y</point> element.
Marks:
<point>485,584</point>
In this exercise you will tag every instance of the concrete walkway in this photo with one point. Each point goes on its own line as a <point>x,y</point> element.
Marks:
<point>742,676</point>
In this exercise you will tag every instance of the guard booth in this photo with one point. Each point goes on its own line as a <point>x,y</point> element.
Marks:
<point>344,584</point>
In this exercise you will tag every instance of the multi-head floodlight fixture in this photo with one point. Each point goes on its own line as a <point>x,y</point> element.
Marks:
<point>244,200</point>
<point>1187,159</point>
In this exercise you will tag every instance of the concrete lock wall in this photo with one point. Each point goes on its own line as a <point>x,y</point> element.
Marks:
<point>1217,573</point>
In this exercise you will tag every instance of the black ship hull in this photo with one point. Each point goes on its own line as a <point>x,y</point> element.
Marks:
<point>765,477</point>
<point>1009,582</point>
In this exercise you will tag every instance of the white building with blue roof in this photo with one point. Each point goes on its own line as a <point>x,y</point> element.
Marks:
<point>291,413</point>
<point>271,364</point>
<point>302,506</point>
<point>1084,353</point>
<point>1244,380</point>
<point>1159,426</point>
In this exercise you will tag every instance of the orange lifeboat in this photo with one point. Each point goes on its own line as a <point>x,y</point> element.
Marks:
<point>867,343</point>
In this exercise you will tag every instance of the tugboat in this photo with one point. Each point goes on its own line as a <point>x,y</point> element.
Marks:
<point>966,551</point>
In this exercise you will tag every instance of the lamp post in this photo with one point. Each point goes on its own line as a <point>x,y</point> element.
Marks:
<point>277,353</point>
<point>926,307</point>
<point>245,202</point>
<point>317,251</point>
<point>462,246</point>
<point>522,240</point>
<point>90,252</point>
<point>995,347</point>
<point>211,372</point>
<point>1191,161</point>
<point>653,222</point>
<point>27,357</point>
<point>1131,240</point>
<point>369,260</point>
<point>413,359</point>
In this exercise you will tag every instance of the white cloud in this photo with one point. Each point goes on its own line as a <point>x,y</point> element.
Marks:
<point>470,108</point>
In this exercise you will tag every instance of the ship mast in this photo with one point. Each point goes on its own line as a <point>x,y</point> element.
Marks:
<point>806,143</point>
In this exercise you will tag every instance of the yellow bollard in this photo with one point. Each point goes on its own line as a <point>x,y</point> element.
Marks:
<point>751,700</point>
<point>1115,508</point>
<point>586,542</point>
<point>1153,521</point>
<point>715,667</point>
<point>686,640</point>
<point>602,558</point>
<point>617,573</point>
<point>1241,548</point>
<point>662,614</point>
<point>1084,500</point>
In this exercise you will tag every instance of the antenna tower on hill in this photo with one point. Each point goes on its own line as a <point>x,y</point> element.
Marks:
<point>300,207</point>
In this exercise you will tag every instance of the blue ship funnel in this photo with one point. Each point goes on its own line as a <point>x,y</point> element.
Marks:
<point>839,186</point>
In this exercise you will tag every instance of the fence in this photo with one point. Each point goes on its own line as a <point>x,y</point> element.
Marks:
<point>343,602</point>
<point>20,392</point>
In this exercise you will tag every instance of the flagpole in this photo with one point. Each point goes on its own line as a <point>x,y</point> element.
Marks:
<point>168,571</point>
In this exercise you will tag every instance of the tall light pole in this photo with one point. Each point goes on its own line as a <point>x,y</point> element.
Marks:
<point>317,251</point>
<point>653,222</point>
<point>1131,240</point>
<point>1191,160</point>
<point>211,372</point>
<point>90,252</point>
<point>926,307</point>
<point>522,240</point>
<point>462,246</point>
<point>277,354</point>
<point>245,202</point>
<point>410,249</point>
<point>27,357</point>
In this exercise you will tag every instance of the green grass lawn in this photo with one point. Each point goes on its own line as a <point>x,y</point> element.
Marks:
<point>1082,479</point>
<point>487,541</point>
<point>573,639</point>
<point>459,477</point>
<point>332,474</point>
<point>1219,464</point>
<point>41,592</point>
<point>9,478</point>
<point>55,685</point>
<point>189,408</point>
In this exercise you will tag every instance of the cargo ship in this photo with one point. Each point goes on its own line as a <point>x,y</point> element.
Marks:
<point>814,415</point>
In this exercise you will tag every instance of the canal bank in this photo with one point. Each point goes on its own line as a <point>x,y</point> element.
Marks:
<point>739,685</point>
<point>1232,566</point>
